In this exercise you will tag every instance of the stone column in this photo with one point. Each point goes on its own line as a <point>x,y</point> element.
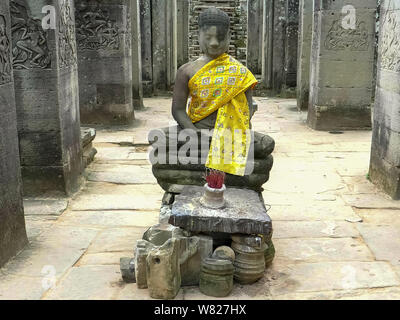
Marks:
<point>164,42</point>
<point>12,222</point>
<point>183,31</point>
<point>105,61</point>
<point>385,154</point>
<point>304,53</point>
<point>291,43</point>
<point>267,43</point>
<point>342,65</point>
<point>254,37</point>
<point>146,40</point>
<point>137,87</point>
<point>46,90</point>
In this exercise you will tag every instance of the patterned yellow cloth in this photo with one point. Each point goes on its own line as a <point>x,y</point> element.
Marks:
<point>221,85</point>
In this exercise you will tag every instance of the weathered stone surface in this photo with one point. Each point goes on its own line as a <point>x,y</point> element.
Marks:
<point>323,276</point>
<point>44,207</point>
<point>244,213</point>
<point>88,283</point>
<point>314,229</point>
<point>127,267</point>
<point>338,100</point>
<point>21,288</point>
<point>143,248</point>
<point>12,224</point>
<point>88,151</point>
<point>224,253</point>
<point>385,155</point>
<point>163,270</point>
<point>190,269</point>
<point>254,38</point>
<point>323,249</point>
<point>159,234</point>
<point>46,87</point>
<point>136,46</point>
<point>105,62</point>
<point>110,218</point>
<point>216,278</point>
<point>370,201</point>
<point>103,258</point>
<point>376,237</point>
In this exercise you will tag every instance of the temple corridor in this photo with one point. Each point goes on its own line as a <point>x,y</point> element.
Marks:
<point>318,192</point>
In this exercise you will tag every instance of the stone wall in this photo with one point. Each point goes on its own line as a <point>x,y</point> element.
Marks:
<point>12,222</point>
<point>385,154</point>
<point>237,11</point>
<point>46,90</point>
<point>105,67</point>
<point>341,82</point>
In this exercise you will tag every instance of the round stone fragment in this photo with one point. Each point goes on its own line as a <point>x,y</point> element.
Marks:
<point>224,253</point>
<point>216,277</point>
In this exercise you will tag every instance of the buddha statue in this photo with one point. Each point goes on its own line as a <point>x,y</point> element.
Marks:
<point>219,89</point>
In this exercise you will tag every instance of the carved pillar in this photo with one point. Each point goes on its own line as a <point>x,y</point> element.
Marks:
<point>304,53</point>
<point>164,42</point>
<point>267,43</point>
<point>385,154</point>
<point>46,90</point>
<point>105,61</point>
<point>12,222</point>
<point>183,31</point>
<point>291,43</point>
<point>147,54</point>
<point>342,65</point>
<point>254,37</point>
<point>137,88</point>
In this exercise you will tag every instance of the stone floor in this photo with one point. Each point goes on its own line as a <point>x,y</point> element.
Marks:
<point>336,235</point>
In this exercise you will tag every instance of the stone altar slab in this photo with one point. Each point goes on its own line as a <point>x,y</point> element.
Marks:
<point>244,212</point>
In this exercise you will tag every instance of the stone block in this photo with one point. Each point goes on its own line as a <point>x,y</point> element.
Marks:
<point>143,248</point>
<point>127,267</point>
<point>163,270</point>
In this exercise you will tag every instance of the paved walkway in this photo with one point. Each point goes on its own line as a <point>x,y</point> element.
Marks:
<point>336,235</point>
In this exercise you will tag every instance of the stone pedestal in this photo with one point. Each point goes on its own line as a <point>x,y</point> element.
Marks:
<point>105,61</point>
<point>164,44</point>
<point>12,222</point>
<point>46,91</point>
<point>244,213</point>
<point>342,65</point>
<point>385,154</point>
<point>137,87</point>
<point>304,53</point>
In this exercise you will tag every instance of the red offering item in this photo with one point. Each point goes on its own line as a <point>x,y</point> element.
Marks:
<point>215,179</point>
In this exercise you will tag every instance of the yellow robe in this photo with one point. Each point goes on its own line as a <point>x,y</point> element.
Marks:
<point>221,85</point>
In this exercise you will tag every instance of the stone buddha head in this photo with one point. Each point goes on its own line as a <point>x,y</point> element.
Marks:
<point>214,26</point>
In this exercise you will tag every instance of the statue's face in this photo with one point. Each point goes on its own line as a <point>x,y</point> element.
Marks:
<point>213,43</point>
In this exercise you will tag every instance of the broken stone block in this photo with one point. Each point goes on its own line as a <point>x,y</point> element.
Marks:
<point>159,234</point>
<point>168,198</point>
<point>163,270</point>
<point>195,250</point>
<point>165,213</point>
<point>251,241</point>
<point>142,249</point>
<point>224,253</point>
<point>216,278</point>
<point>127,267</point>
<point>249,263</point>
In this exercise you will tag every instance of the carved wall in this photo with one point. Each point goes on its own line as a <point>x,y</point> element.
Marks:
<point>30,41</point>
<point>66,34</point>
<point>5,59</point>
<point>339,38</point>
<point>390,43</point>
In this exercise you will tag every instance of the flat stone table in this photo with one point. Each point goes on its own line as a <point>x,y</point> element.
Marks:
<point>244,213</point>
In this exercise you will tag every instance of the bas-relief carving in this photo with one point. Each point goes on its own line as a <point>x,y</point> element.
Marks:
<point>128,33</point>
<point>390,43</point>
<point>66,36</point>
<point>5,59</point>
<point>30,44</point>
<point>339,38</point>
<point>95,30</point>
